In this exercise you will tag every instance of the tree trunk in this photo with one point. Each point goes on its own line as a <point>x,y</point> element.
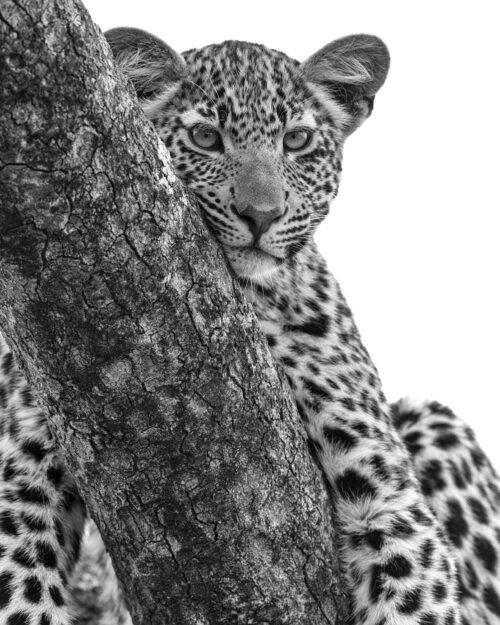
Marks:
<point>148,361</point>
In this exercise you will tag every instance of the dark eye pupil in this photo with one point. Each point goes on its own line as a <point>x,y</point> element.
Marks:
<point>206,135</point>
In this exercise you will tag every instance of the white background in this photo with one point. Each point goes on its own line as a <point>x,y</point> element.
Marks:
<point>413,235</point>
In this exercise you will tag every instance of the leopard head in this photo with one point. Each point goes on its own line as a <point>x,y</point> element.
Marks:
<point>256,135</point>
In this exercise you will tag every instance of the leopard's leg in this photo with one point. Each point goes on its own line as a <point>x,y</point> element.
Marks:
<point>41,513</point>
<point>463,491</point>
<point>398,564</point>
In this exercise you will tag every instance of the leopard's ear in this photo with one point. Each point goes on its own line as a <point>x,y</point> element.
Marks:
<point>149,63</point>
<point>350,71</point>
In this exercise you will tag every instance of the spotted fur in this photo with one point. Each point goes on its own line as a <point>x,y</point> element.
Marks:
<point>416,503</point>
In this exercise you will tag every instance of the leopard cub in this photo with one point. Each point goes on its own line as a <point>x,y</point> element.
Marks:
<point>258,138</point>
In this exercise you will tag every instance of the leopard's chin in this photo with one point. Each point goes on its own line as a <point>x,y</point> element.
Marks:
<point>252,264</point>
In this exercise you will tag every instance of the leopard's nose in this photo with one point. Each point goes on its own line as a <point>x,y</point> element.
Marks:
<point>259,221</point>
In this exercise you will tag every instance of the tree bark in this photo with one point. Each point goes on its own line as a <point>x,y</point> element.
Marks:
<point>143,351</point>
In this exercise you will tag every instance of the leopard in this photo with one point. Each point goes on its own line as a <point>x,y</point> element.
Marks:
<point>258,138</point>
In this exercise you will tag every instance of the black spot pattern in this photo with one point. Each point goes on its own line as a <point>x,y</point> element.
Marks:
<point>375,539</point>
<point>8,523</point>
<point>446,440</point>
<point>7,363</point>
<point>9,470</point>
<point>32,589</point>
<point>23,556</point>
<point>33,494</point>
<point>378,463</point>
<point>353,485</point>
<point>456,524</point>
<point>439,591</point>
<point>398,566</point>
<point>318,391</point>
<point>34,522</point>
<point>492,600</point>
<point>450,619</point>
<point>317,326</point>
<point>401,526</point>
<point>19,618</point>
<point>5,588</point>
<point>478,510</point>
<point>431,477</point>
<point>46,555</point>
<point>411,601</point>
<point>55,475</point>
<point>376,585</point>
<point>472,579</point>
<point>35,449</point>
<point>56,596</point>
<point>339,437</point>
<point>485,553</point>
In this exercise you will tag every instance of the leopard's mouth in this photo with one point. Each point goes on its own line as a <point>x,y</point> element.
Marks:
<point>252,262</point>
<point>259,253</point>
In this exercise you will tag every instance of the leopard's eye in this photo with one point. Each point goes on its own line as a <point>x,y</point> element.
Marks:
<point>296,140</point>
<point>206,138</point>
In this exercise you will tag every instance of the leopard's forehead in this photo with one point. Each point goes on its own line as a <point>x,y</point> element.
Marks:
<point>245,77</point>
<point>237,59</point>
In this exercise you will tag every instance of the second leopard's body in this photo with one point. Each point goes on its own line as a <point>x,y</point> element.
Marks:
<point>258,137</point>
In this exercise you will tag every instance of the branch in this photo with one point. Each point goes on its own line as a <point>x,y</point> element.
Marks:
<point>148,361</point>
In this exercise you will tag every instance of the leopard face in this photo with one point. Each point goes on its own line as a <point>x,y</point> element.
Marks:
<point>247,136</point>
<point>256,135</point>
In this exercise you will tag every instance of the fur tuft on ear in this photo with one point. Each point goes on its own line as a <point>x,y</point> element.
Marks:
<point>147,61</point>
<point>350,71</point>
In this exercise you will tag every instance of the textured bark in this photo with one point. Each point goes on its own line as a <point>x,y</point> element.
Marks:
<point>149,362</point>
